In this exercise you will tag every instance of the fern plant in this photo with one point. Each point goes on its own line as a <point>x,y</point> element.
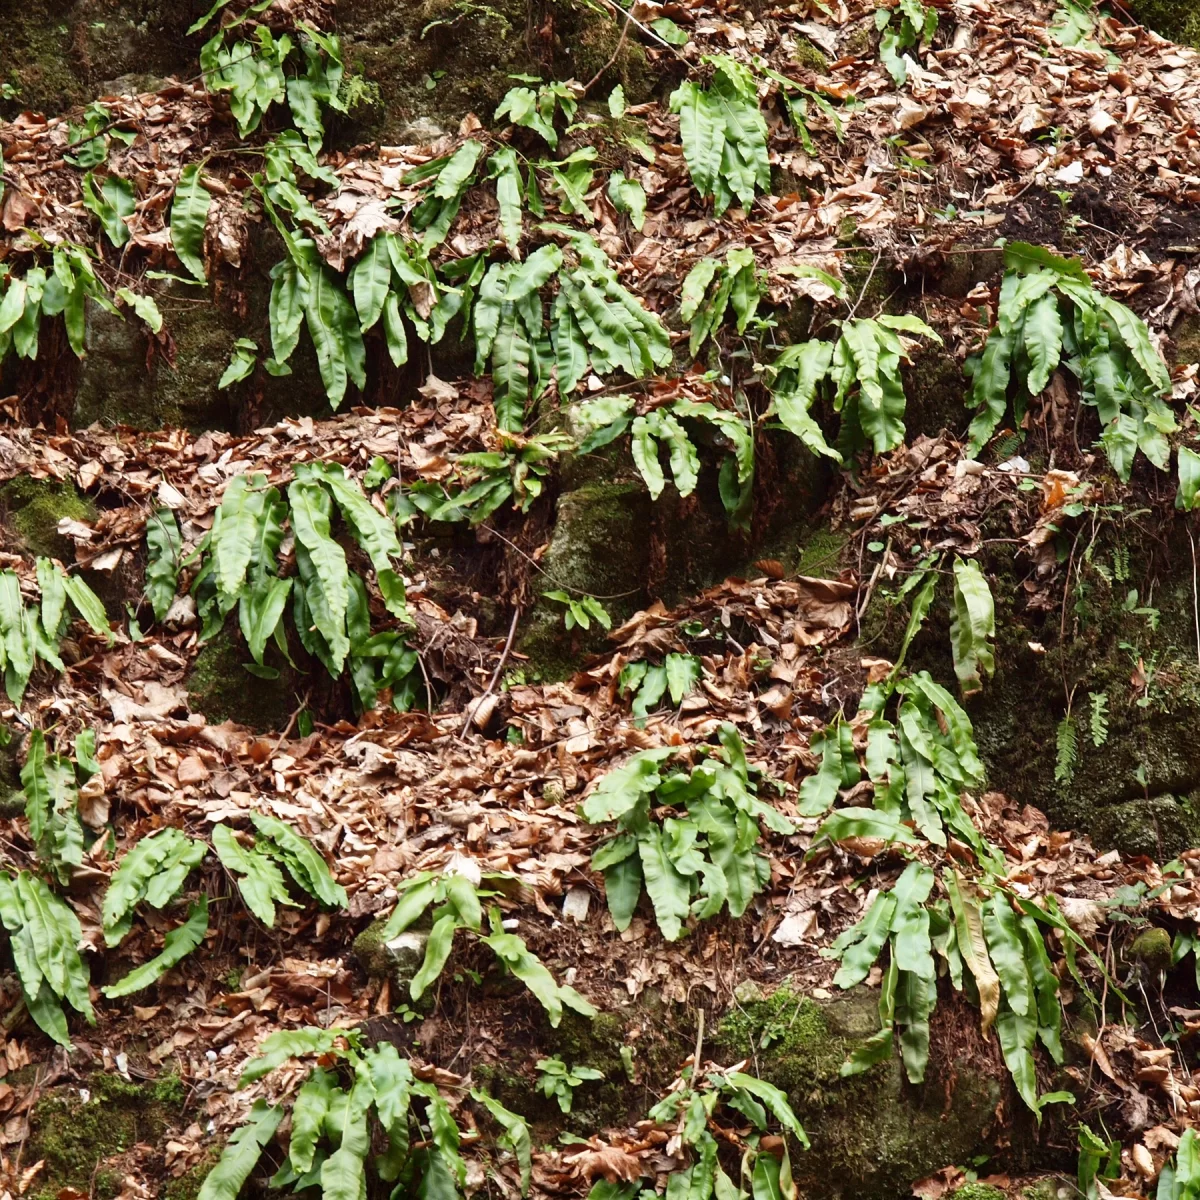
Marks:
<point>696,863</point>
<point>1049,316</point>
<point>695,1108</point>
<point>536,110</point>
<point>50,788</point>
<point>712,288</point>
<point>264,71</point>
<point>487,479</point>
<point>557,1081</point>
<point>258,869</point>
<point>45,936</point>
<point>919,760</point>
<point>605,419</point>
<point>29,633</point>
<point>974,927</point>
<point>455,903</point>
<point>596,325</point>
<point>63,290</point>
<point>356,1097</point>
<point>861,372</point>
<point>580,612</point>
<point>724,134</point>
<point>677,675</point>
<point>153,872</point>
<point>239,567</point>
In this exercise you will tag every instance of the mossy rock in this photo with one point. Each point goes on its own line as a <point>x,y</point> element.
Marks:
<point>435,60</point>
<point>32,509</point>
<point>978,1191</point>
<point>59,54</point>
<point>116,386</point>
<point>1176,20</point>
<point>73,1136</point>
<point>1151,948</point>
<point>220,687</point>
<point>397,960</point>
<point>1159,828</point>
<point>873,1134</point>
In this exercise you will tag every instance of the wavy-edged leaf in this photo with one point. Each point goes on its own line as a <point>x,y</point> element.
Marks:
<point>322,565</point>
<point>1007,953</point>
<point>862,944</point>
<point>241,1153</point>
<point>177,945</point>
<point>307,867</point>
<point>287,1044</point>
<point>669,892</point>
<point>515,1137</point>
<point>371,280</point>
<point>972,627</point>
<point>508,196</point>
<point>189,217</point>
<point>89,606</point>
<point>1042,332</point>
<point>258,877</point>
<point>164,545</point>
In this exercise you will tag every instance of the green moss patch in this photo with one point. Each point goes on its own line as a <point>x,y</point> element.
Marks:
<point>76,1137</point>
<point>221,688</point>
<point>32,508</point>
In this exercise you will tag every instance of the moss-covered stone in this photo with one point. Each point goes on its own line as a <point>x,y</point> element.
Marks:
<point>872,1134</point>
<point>59,54</point>
<point>120,382</point>
<point>599,547</point>
<point>398,959</point>
<point>76,1136</point>
<point>32,508</point>
<point>821,553</point>
<point>1178,20</point>
<point>222,689</point>
<point>1151,948</point>
<point>434,60</point>
<point>1158,828</point>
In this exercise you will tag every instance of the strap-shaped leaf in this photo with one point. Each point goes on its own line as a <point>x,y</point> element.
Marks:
<point>148,860</point>
<point>911,945</point>
<point>189,217</point>
<point>861,945</point>
<point>177,945</point>
<point>508,196</point>
<point>232,537</point>
<point>1008,955</point>
<point>286,1044</point>
<point>972,945</point>
<point>669,891</point>
<point>164,546</point>
<point>322,565</point>
<point>1043,333</point>
<point>775,1100</point>
<point>336,335</point>
<point>972,627</point>
<point>53,587</point>
<point>241,1153</point>
<point>307,867</point>
<point>258,877</point>
<point>371,280</point>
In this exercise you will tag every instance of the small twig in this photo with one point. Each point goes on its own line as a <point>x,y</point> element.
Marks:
<point>866,284</point>
<point>615,54</point>
<point>287,729</point>
<point>472,709</point>
<point>699,1046</point>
